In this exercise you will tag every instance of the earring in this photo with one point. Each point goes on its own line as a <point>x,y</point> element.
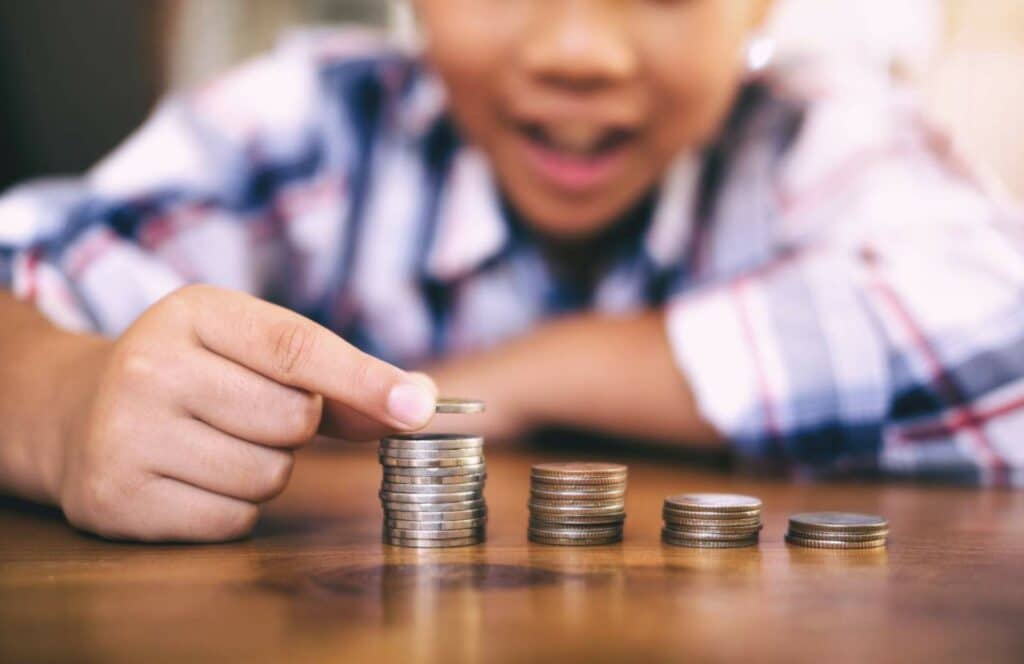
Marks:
<point>758,53</point>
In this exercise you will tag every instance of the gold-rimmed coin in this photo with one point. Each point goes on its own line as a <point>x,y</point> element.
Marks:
<point>576,533</point>
<point>457,406</point>
<point>687,522</point>
<point>554,508</point>
<point>843,537</point>
<point>708,544</point>
<point>595,493</point>
<point>702,535</point>
<point>580,541</point>
<point>431,454</point>
<point>582,471</point>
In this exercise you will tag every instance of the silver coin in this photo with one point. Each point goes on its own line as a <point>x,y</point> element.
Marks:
<point>577,520</point>
<point>429,498</point>
<point>834,543</point>
<point>431,463</point>
<point>412,524</point>
<point>712,502</point>
<point>709,544</point>
<point>431,488</point>
<point>452,405</point>
<point>424,473</point>
<point>674,514</point>
<point>577,532</point>
<point>427,543</point>
<point>581,504</point>
<point>391,478</point>
<point>593,493</point>
<point>839,536</point>
<point>709,534</point>
<point>610,508</point>
<point>433,517</point>
<point>574,469</point>
<point>434,534</point>
<point>431,454</point>
<point>574,541</point>
<point>398,506</point>
<point>846,522</point>
<point>431,441</point>
<point>676,520</point>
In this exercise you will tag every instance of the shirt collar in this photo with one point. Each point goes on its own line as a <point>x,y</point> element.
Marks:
<point>671,228</point>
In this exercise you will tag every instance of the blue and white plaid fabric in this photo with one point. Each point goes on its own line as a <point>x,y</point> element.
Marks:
<point>838,290</point>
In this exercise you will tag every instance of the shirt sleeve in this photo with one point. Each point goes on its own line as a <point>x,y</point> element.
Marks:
<point>895,345</point>
<point>199,193</point>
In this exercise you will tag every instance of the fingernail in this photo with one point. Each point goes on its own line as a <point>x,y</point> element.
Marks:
<point>412,404</point>
<point>426,380</point>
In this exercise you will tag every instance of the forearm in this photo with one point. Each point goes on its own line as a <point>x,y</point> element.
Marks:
<point>43,371</point>
<point>611,374</point>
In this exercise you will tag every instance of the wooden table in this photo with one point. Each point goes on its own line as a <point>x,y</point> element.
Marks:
<point>315,583</point>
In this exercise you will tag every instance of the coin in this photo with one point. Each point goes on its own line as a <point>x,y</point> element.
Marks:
<point>431,441</point>
<point>594,493</point>
<point>687,522</point>
<point>571,508</point>
<point>402,506</point>
<point>834,543</point>
<point>427,472</point>
<point>843,537</point>
<point>712,502</point>
<point>413,524</point>
<point>434,516</point>
<point>708,534</point>
<point>569,532</point>
<point>428,543</point>
<point>708,544</point>
<point>420,533</point>
<point>542,503</point>
<point>544,520</point>
<point>430,454</point>
<point>582,472</point>
<point>430,498</point>
<point>838,522</point>
<point>392,478</point>
<point>431,463</point>
<point>562,541</point>
<point>451,405</point>
<point>430,488</point>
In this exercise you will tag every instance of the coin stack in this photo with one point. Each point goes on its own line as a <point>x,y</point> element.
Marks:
<point>711,520</point>
<point>432,489</point>
<point>837,530</point>
<point>577,504</point>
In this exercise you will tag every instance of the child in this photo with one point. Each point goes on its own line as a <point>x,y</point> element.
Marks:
<point>586,212</point>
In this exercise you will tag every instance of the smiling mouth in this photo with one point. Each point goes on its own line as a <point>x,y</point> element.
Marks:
<point>575,157</point>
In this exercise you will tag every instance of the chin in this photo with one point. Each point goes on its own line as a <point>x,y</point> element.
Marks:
<point>572,219</point>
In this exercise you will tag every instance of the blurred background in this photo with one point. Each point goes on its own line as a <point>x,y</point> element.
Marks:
<point>77,75</point>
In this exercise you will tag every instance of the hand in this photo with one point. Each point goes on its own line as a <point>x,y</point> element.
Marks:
<point>195,411</point>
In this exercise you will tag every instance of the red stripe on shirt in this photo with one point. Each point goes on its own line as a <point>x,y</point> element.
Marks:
<point>956,420</point>
<point>961,414</point>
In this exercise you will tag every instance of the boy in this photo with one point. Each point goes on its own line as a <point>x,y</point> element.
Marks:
<point>586,200</point>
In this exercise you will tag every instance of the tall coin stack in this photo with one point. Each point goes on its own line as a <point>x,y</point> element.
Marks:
<point>577,504</point>
<point>837,530</point>
<point>711,520</point>
<point>432,488</point>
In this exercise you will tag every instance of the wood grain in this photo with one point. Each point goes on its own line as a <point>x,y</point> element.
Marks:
<point>314,582</point>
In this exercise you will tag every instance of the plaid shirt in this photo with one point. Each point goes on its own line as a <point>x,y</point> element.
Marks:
<point>839,292</point>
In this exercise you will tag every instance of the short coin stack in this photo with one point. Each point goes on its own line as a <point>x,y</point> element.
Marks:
<point>711,520</point>
<point>577,504</point>
<point>432,489</point>
<point>837,530</point>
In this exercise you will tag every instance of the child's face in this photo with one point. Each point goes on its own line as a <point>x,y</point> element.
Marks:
<point>581,104</point>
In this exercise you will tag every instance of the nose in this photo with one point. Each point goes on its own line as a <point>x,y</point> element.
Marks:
<point>578,45</point>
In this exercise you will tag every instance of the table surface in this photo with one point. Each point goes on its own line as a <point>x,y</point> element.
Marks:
<point>314,582</point>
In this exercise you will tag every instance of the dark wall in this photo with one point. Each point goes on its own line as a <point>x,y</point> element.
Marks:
<point>75,77</point>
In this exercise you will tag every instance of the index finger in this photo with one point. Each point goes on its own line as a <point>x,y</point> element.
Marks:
<point>293,350</point>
